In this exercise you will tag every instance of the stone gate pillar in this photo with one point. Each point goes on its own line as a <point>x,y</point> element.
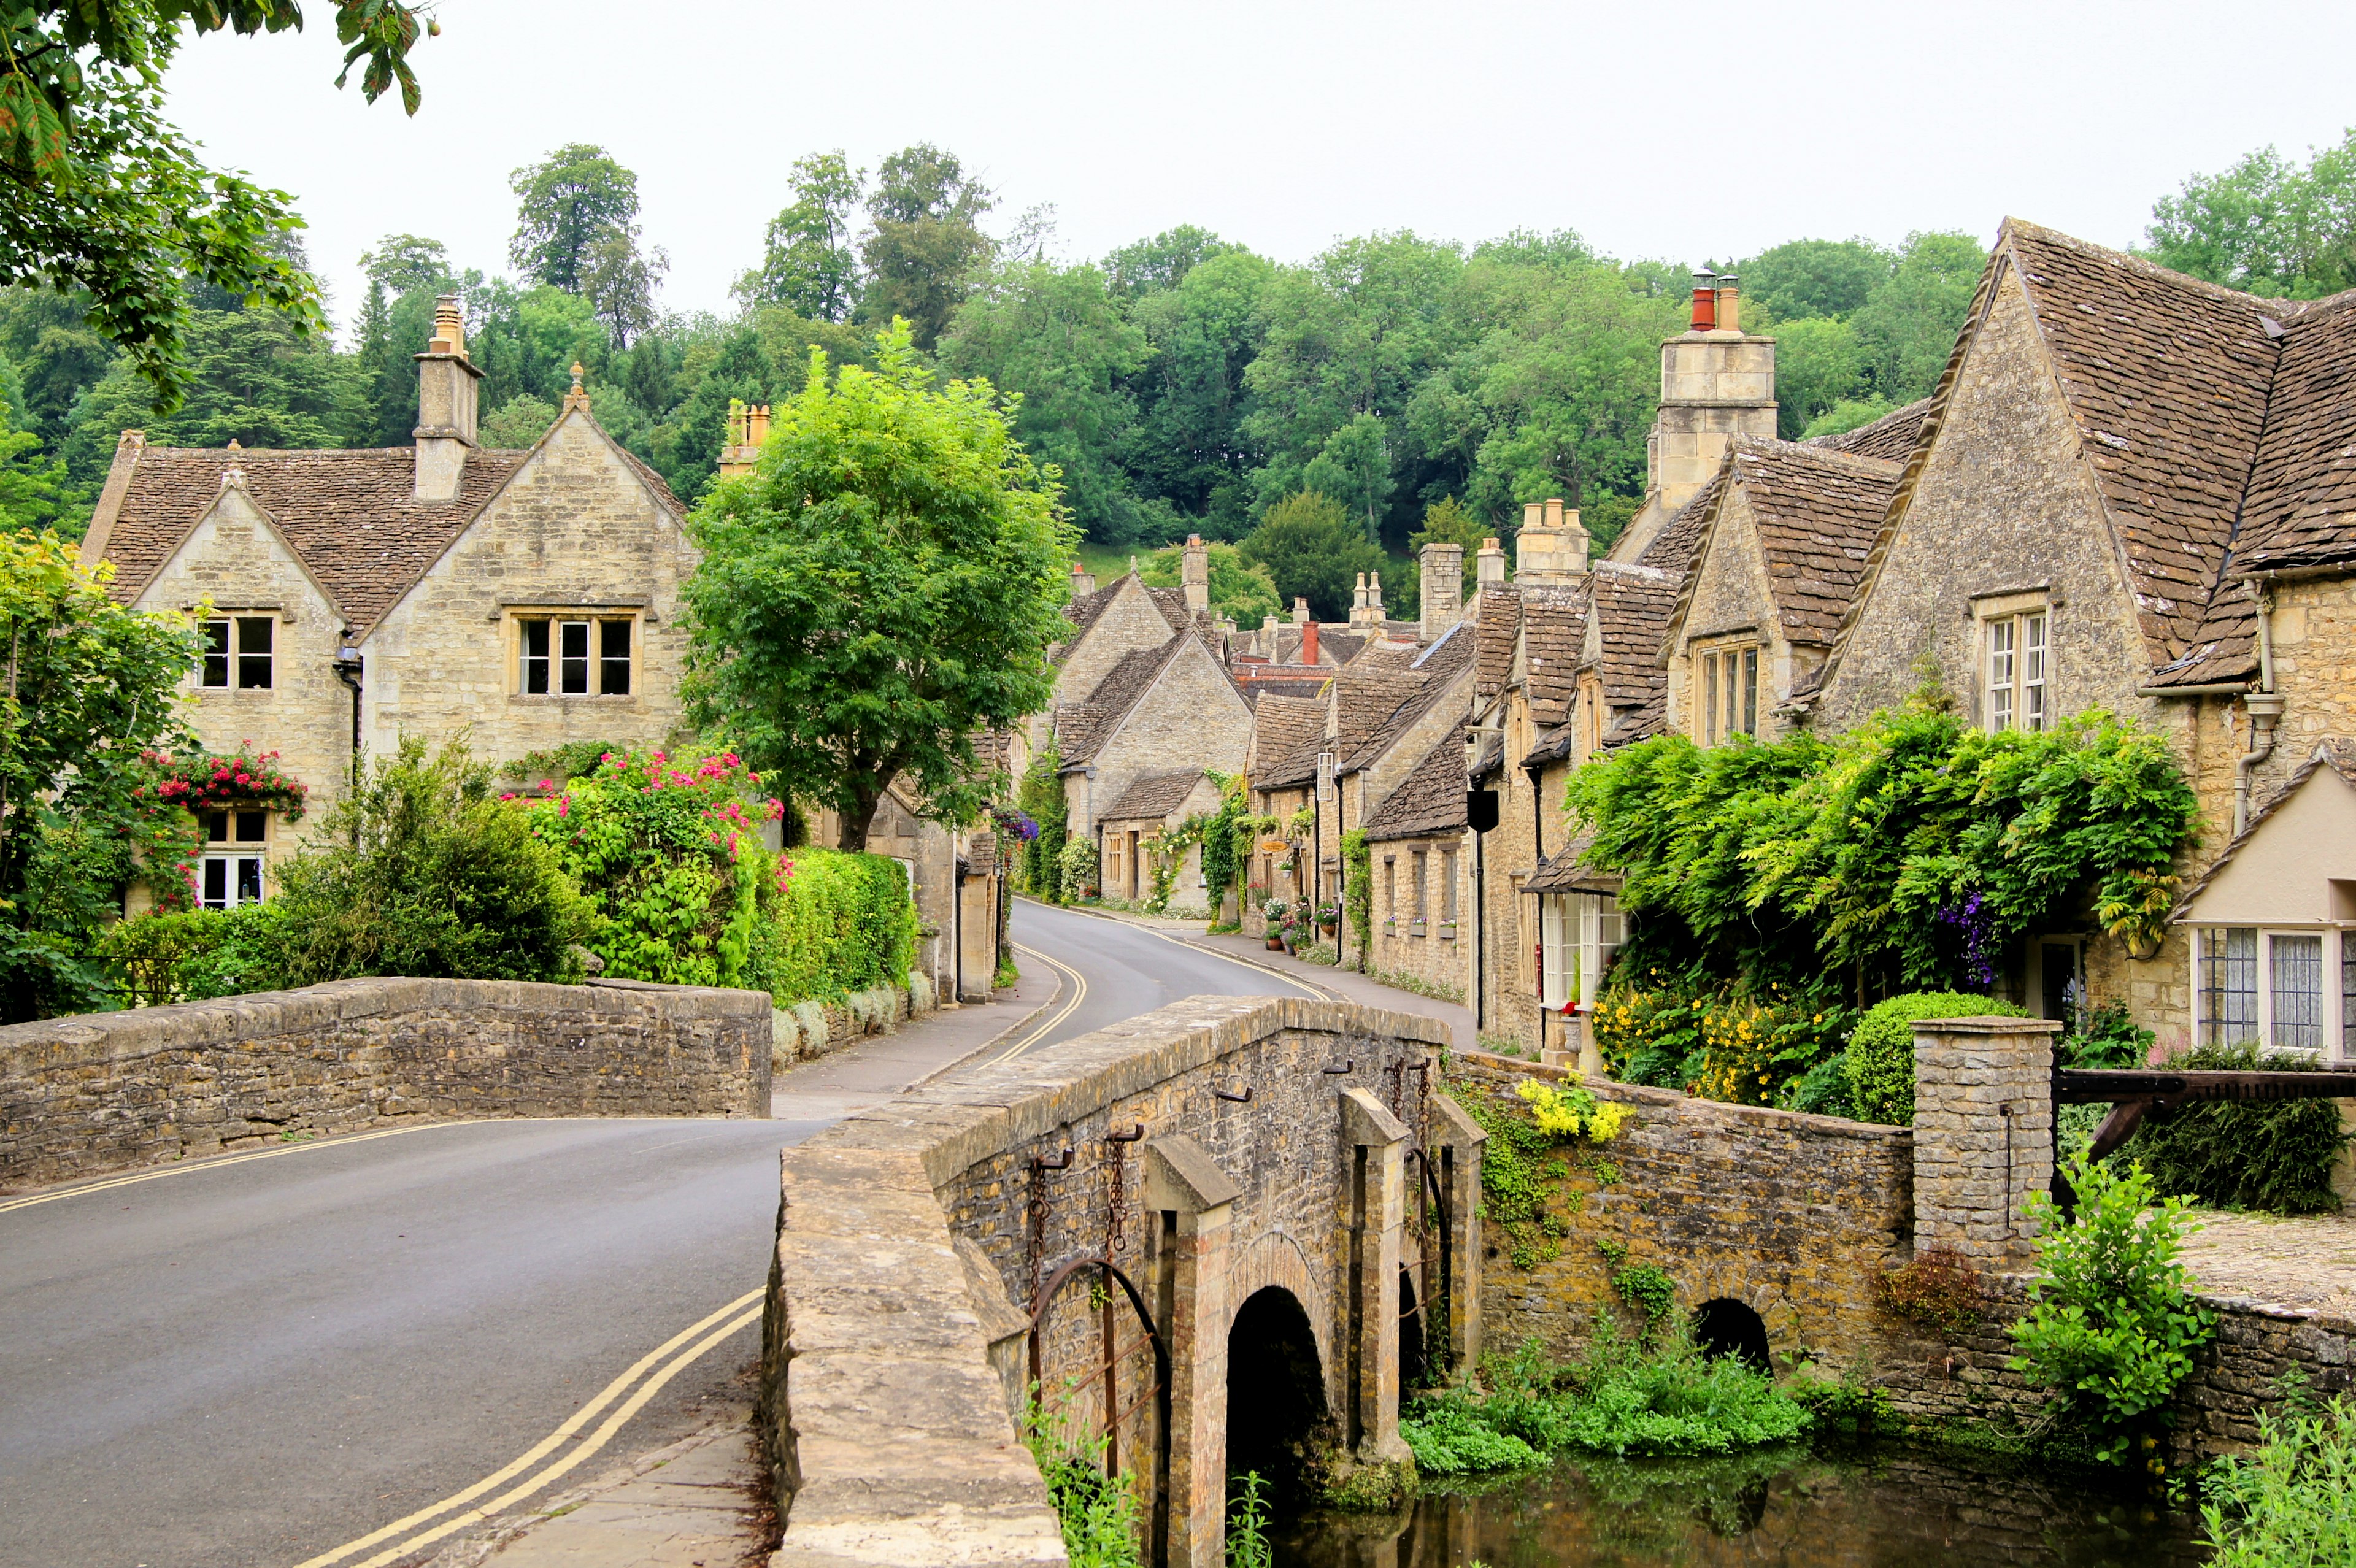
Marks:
<point>1983,1134</point>
<point>1374,1152</point>
<point>1191,1201</point>
<point>1455,1141</point>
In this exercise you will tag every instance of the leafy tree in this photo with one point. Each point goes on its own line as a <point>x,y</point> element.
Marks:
<point>1804,278</point>
<point>619,282</point>
<point>1162,262</point>
<point>1310,547</point>
<point>255,379</point>
<point>56,353</point>
<point>408,263</point>
<point>517,423</point>
<point>1191,446</point>
<point>1846,415</point>
<point>2267,224</point>
<point>1908,328</point>
<point>1446,522</point>
<point>882,589</point>
<point>106,197</point>
<point>91,694</point>
<point>808,266</point>
<point>1057,337</point>
<point>35,490</point>
<point>926,242</point>
<point>565,205</point>
<point>1818,363</point>
<point>1239,589</point>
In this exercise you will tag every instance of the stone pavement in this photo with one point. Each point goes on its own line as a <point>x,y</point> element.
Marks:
<point>874,1069</point>
<point>1346,985</point>
<point>2307,1262</point>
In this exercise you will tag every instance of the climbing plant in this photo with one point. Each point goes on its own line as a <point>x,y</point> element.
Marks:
<point>1076,870</point>
<point>1528,1164</point>
<point>1358,890</point>
<point>1905,854</point>
<point>1041,798</point>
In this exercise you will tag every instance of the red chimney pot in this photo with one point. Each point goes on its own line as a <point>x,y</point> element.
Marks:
<point>1705,310</point>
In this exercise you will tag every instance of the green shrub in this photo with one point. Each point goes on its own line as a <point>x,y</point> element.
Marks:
<point>2272,1155</point>
<point>1451,1437</point>
<point>667,858</point>
<point>2290,1502</point>
<point>2112,1323</point>
<point>1880,1054</point>
<point>835,924</point>
<point>1673,1398</point>
<point>1098,1513</point>
<point>152,949</point>
<point>2103,1037</point>
<point>420,871</point>
<point>1077,871</point>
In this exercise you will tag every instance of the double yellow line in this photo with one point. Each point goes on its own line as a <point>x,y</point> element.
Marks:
<point>1074,981</point>
<point>641,1383</point>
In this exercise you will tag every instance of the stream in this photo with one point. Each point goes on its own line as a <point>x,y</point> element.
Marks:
<point>1894,1507</point>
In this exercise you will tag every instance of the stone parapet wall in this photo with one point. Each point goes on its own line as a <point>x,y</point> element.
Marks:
<point>909,1250</point>
<point>106,1090</point>
<point>1983,1134</point>
<point>1791,1215</point>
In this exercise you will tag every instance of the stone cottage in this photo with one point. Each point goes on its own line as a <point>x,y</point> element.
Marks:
<point>348,597</point>
<point>1152,808</point>
<point>1158,710</point>
<point>2129,495</point>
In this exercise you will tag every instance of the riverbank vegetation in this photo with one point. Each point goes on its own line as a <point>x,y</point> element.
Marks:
<point>2290,1502</point>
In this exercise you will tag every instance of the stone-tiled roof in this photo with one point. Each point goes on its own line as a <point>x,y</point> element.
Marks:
<point>2334,752</point>
<point>1082,728</point>
<point>1672,549</point>
<point>1429,800</point>
<point>1500,613</point>
<point>1283,730</point>
<point>351,515</point>
<point>1554,624</point>
<point>1816,513</point>
<point>1381,655</point>
<point>1890,438</point>
<point>1631,613</point>
<point>1438,666</point>
<point>1086,609</point>
<point>1567,871</point>
<point>1154,795</point>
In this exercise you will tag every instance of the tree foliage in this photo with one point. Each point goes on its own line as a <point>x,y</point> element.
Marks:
<point>883,587</point>
<point>926,242</point>
<point>2268,224</point>
<point>1906,853</point>
<point>565,205</point>
<point>1312,548</point>
<point>808,264</point>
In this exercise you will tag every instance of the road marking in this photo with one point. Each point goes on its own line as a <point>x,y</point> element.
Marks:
<point>1320,992</point>
<point>555,1440</point>
<point>185,1169</point>
<point>1071,976</point>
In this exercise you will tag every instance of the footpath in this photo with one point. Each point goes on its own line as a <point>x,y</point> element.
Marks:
<point>699,1502</point>
<point>1343,984</point>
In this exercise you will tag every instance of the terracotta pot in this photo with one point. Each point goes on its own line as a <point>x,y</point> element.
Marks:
<point>1276,944</point>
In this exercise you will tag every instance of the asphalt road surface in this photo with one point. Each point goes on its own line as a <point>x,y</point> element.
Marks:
<point>263,1361</point>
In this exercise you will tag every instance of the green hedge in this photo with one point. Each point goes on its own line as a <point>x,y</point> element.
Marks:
<point>1880,1056</point>
<point>838,923</point>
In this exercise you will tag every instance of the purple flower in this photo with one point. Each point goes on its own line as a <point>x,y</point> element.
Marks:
<point>1972,921</point>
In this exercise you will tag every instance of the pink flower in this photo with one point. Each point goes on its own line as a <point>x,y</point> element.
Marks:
<point>243,779</point>
<point>547,784</point>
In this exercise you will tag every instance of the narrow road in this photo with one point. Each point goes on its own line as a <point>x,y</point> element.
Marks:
<point>255,1363</point>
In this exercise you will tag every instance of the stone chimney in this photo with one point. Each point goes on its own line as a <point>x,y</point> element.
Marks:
<point>1442,595</point>
<point>1083,580</point>
<point>1195,572</point>
<point>1488,565</point>
<point>1552,547</point>
<point>1308,641</point>
<point>445,405</point>
<point>1728,302</point>
<point>1717,381</point>
<point>748,427</point>
<point>1373,614</point>
<point>1265,642</point>
<point>1300,611</point>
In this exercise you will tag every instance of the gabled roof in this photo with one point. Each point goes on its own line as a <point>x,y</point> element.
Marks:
<point>1499,614</point>
<point>1082,728</point>
<point>1438,666</point>
<point>1285,732</point>
<point>1554,624</point>
<point>1890,438</point>
<point>1632,615</point>
<point>2333,751</point>
<point>352,516</point>
<point>1381,654</point>
<point>1817,512</point>
<point>1429,800</point>
<point>1154,795</point>
<point>1086,609</point>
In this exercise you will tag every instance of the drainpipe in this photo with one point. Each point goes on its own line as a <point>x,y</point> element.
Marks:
<point>349,666</point>
<point>1537,836</point>
<point>2263,706</point>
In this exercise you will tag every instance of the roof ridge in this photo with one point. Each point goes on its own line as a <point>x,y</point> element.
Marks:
<point>1772,446</point>
<point>2132,263</point>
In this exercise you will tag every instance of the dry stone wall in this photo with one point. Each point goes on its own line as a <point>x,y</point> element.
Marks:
<point>107,1091</point>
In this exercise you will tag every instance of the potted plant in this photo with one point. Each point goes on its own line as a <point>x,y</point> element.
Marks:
<point>1275,910</point>
<point>1328,918</point>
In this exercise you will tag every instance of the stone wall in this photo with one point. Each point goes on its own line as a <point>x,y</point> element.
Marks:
<point>1983,1135</point>
<point>1791,1215</point>
<point>910,1249</point>
<point>105,1091</point>
<point>1435,950</point>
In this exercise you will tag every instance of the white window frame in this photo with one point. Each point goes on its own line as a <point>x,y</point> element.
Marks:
<point>242,665</point>
<point>2336,949</point>
<point>1603,930</point>
<point>1726,681</point>
<point>2016,665</point>
<point>598,666</point>
<point>1558,949</point>
<point>233,864</point>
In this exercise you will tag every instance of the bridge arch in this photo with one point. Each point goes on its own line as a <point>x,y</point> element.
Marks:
<point>1725,1326</point>
<point>1276,1408</point>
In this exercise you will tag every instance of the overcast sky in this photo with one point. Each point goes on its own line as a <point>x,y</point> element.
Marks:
<point>1685,134</point>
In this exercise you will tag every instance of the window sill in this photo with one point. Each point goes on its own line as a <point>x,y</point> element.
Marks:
<point>537,698</point>
<point>1448,932</point>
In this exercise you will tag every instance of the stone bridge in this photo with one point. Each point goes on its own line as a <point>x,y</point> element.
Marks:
<point>1265,1179</point>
